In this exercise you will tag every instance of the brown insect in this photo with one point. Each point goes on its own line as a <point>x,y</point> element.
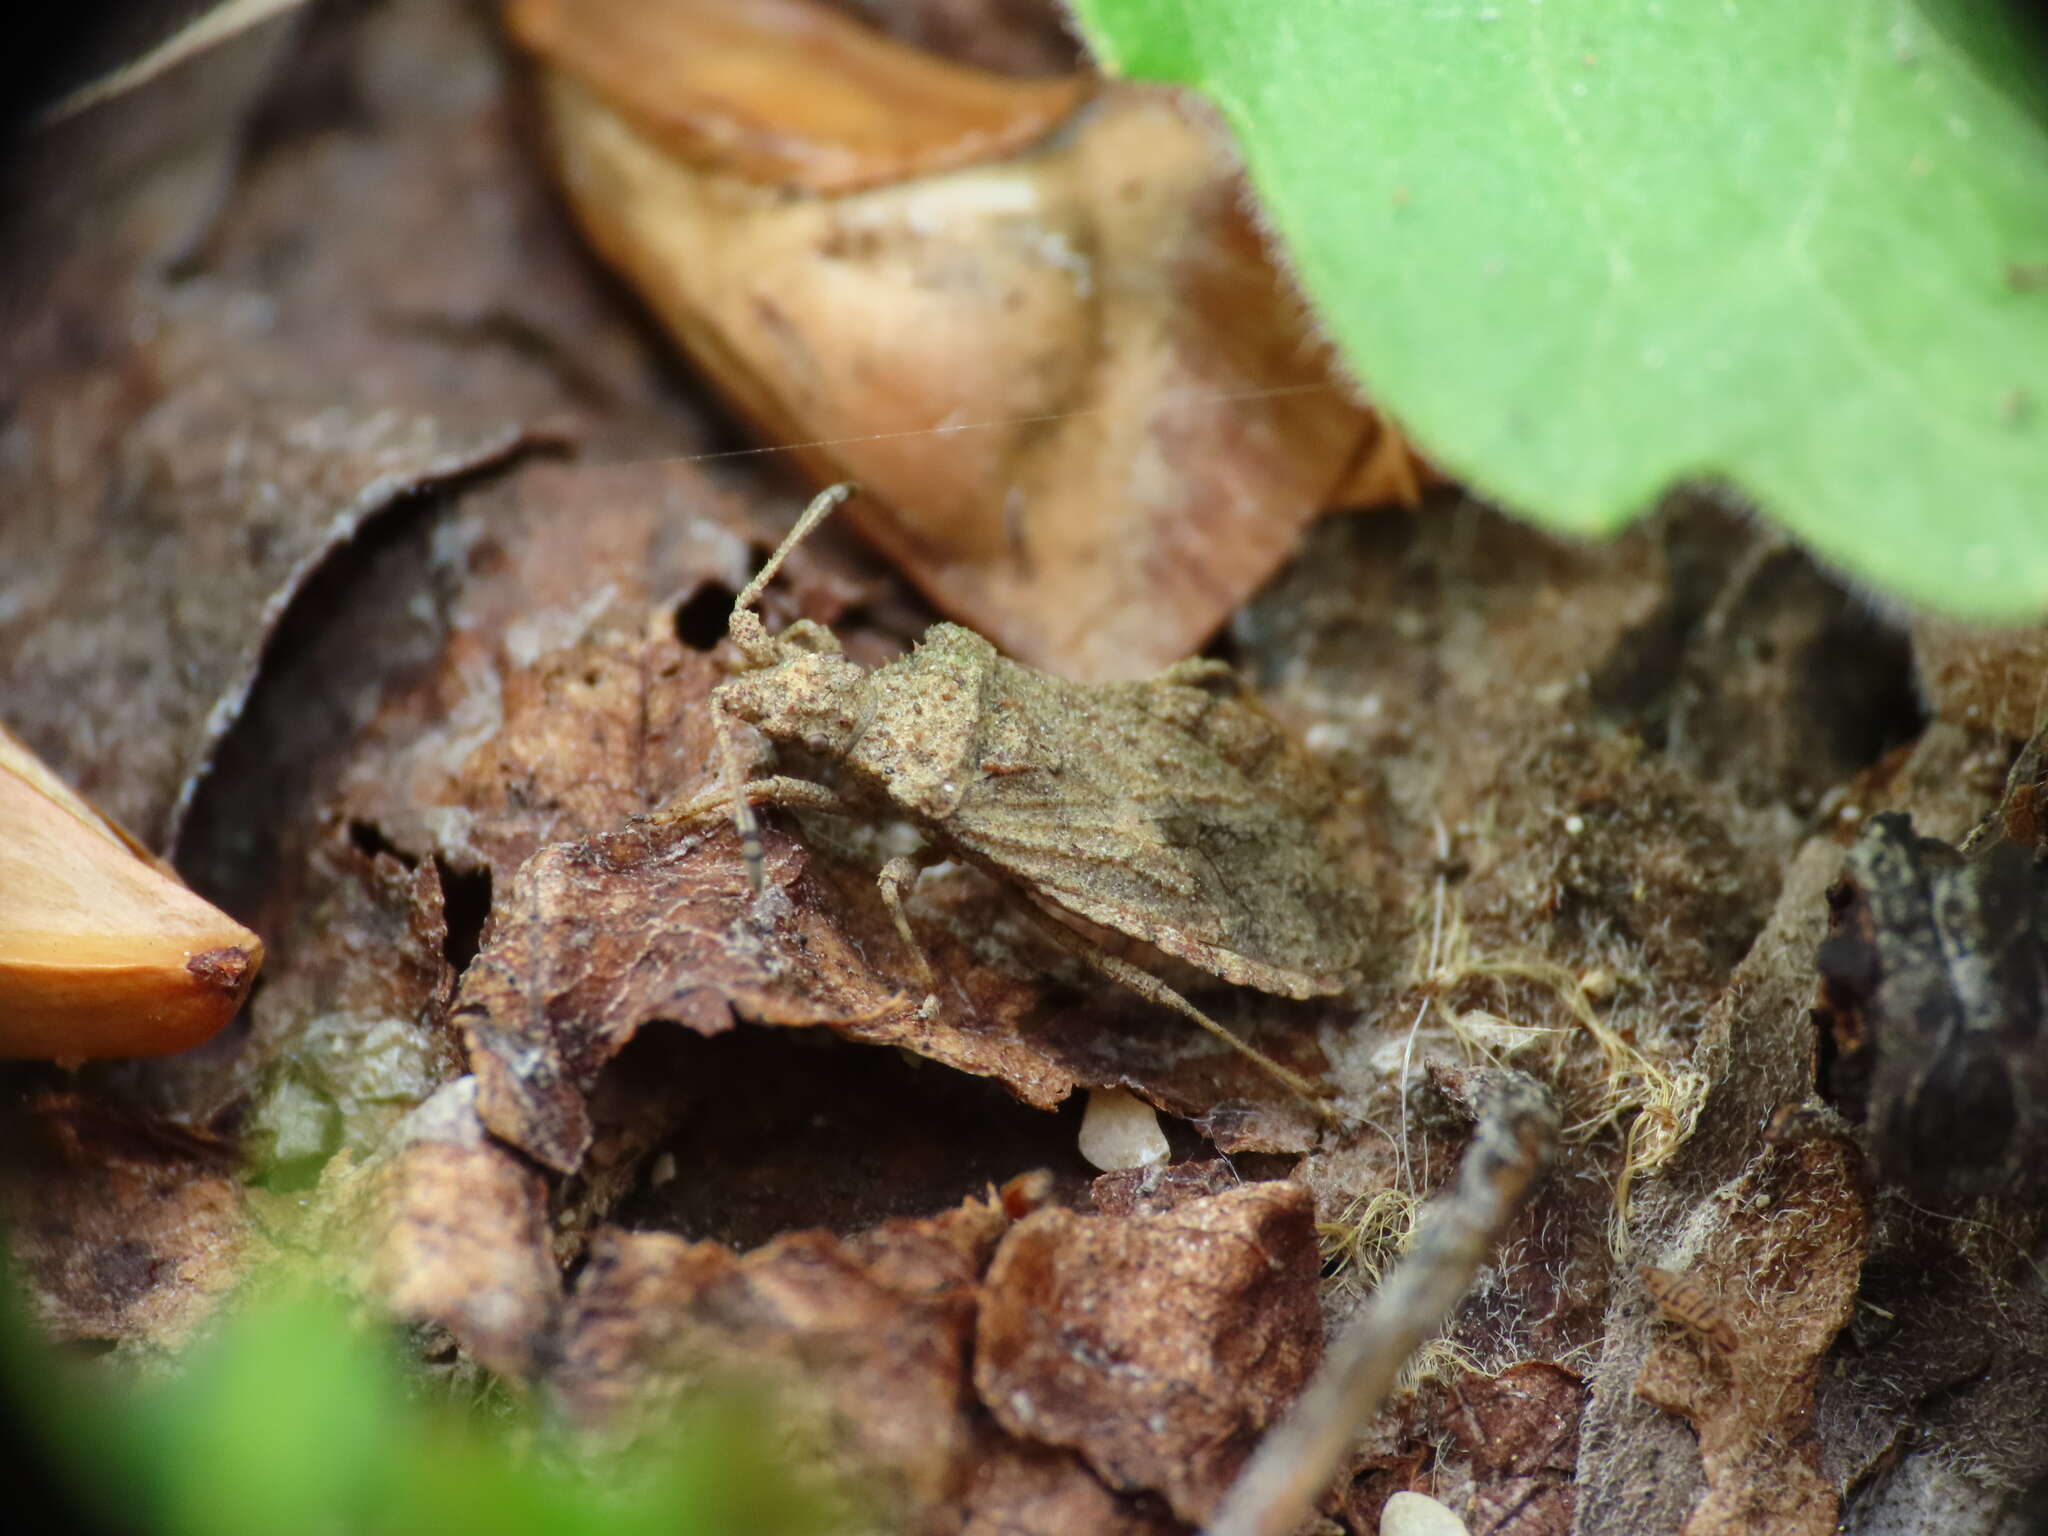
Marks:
<point>1170,811</point>
<point>1685,1301</point>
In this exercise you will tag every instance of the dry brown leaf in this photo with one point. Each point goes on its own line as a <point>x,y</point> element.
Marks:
<point>565,691</point>
<point>1088,401</point>
<point>867,1337</point>
<point>596,939</point>
<point>1159,1347</point>
<point>788,93</point>
<point>103,952</point>
<point>1521,1431</point>
<point>121,1229</point>
<point>1778,1263</point>
<point>219,376</point>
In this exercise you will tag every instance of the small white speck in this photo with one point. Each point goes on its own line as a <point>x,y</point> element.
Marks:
<point>1574,825</point>
<point>1325,737</point>
<point>1416,1514</point>
<point>1120,1130</point>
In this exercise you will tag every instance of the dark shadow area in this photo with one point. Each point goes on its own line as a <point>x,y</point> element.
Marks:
<point>782,1130</point>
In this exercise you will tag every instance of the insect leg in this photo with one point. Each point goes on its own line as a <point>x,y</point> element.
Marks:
<point>898,876</point>
<point>791,794</point>
<point>1202,672</point>
<point>1153,990</point>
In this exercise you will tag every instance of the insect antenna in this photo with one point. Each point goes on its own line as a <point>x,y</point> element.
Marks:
<point>745,626</point>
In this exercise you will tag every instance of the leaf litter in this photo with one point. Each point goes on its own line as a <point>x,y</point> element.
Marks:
<point>1545,748</point>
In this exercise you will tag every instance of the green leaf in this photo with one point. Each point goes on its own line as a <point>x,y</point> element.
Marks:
<point>1583,250</point>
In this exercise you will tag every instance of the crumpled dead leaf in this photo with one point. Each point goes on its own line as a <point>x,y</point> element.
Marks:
<point>560,699</point>
<point>594,940</point>
<point>865,1337</point>
<point>120,1228</point>
<point>1778,1260</point>
<point>1159,1347</point>
<point>789,93</point>
<point>1091,406</point>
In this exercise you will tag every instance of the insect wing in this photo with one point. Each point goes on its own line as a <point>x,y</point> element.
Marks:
<point>1165,813</point>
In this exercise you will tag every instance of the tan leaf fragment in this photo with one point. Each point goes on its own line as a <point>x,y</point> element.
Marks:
<point>1090,410</point>
<point>1159,1347</point>
<point>789,93</point>
<point>1780,1258</point>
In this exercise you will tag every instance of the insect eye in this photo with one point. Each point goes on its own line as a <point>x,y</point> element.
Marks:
<point>817,741</point>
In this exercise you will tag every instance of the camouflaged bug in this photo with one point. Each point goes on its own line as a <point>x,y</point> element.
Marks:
<point>1685,1301</point>
<point>1168,811</point>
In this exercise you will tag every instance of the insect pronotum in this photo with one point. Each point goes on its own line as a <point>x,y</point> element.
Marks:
<point>1169,811</point>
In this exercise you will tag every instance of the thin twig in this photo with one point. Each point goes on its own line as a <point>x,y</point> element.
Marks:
<point>1512,1143</point>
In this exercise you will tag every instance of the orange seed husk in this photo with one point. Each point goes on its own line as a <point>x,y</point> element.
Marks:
<point>102,951</point>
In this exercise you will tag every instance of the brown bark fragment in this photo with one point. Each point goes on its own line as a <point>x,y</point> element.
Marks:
<point>1159,1347</point>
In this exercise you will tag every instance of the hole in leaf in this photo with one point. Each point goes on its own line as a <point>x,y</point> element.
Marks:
<point>369,840</point>
<point>466,903</point>
<point>701,617</point>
